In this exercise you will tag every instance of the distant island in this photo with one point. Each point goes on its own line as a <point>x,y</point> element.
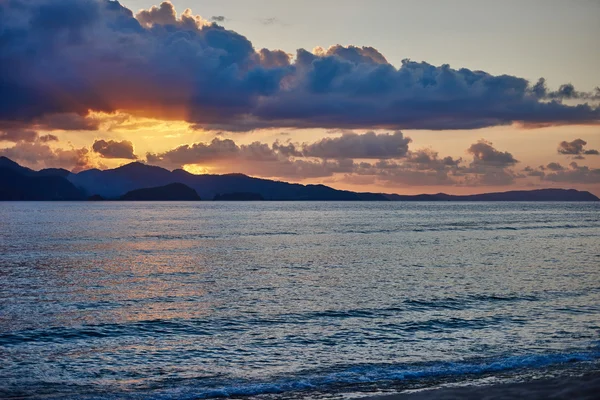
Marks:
<point>137,182</point>
<point>170,192</point>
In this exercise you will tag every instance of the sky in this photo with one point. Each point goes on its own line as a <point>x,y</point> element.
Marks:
<point>386,95</point>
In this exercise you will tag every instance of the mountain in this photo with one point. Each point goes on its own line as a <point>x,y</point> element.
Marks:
<point>17,184</point>
<point>53,184</point>
<point>9,164</point>
<point>170,192</point>
<point>114,182</point>
<point>238,196</point>
<point>515,195</point>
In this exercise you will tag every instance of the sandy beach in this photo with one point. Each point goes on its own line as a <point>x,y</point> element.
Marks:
<point>585,387</point>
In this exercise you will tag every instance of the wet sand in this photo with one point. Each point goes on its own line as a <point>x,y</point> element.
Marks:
<point>573,388</point>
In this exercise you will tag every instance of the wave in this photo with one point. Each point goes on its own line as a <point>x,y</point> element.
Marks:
<point>355,377</point>
<point>210,326</point>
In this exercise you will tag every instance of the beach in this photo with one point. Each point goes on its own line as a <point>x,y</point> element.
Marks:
<point>581,388</point>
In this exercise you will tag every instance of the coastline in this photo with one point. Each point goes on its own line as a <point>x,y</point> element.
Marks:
<point>585,387</point>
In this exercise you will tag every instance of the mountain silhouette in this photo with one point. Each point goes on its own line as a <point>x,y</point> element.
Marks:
<point>114,182</point>
<point>170,192</point>
<point>21,183</point>
<point>514,195</point>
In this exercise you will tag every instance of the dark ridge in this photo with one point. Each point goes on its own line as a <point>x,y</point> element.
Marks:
<point>171,192</point>
<point>96,197</point>
<point>514,195</point>
<point>54,172</point>
<point>13,166</point>
<point>15,185</point>
<point>114,183</point>
<point>239,196</point>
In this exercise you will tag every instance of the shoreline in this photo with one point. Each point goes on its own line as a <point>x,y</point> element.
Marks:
<point>585,387</point>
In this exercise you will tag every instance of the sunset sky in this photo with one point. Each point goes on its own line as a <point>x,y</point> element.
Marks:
<point>397,96</point>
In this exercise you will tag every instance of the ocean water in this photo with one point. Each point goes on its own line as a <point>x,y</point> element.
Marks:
<point>293,300</point>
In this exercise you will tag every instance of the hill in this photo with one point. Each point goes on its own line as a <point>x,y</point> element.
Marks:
<point>514,195</point>
<point>126,181</point>
<point>113,183</point>
<point>18,184</point>
<point>170,192</point>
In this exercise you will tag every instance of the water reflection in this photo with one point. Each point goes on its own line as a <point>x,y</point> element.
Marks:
<point>142,297</point>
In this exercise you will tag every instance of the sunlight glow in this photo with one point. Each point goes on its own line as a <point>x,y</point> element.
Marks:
<point>196,169</point>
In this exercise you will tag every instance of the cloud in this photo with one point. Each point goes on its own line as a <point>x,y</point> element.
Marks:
<point>534,172</point>
<point>15,131</point>
<point>565,92</point>
<point>383,158</point>
<point>197,153</point>
<point>269,21</point>
<point>489,166</point>
<point>484,154</point>
<point>218,18</point>
<point>114,149</point>
<point>48,138</point>
<point>165,15</point>
<point>18,135</point>
<point>576,148</point>
<point>274,58</point>
<point>554,167</point>
<point>429,160</point>
<point>352,145</point>
<point>255,158</point>
<point>419,168</point>
<point>40,155</point>
<point>572,174</point>
<point>575,174</point>
<point>99,56</point>
<point>492,177</point>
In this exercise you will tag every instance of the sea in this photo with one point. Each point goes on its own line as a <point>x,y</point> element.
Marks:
<point>292,300</point>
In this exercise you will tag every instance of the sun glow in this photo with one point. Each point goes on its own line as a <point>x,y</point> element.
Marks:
<point>196,169</point>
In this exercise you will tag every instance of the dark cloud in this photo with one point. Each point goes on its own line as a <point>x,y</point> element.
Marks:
<point>575,174</point>
<point>67,122</point>
<point>489,167</point>
<point>218,18</point>
<point>48,138</point>
<point>534,172</point>
<point>484,154</point>
<point>18,135</point>
<point>20,130</point>
<point>554,167</point>
<point>492,177</point>
<point>197,153</point>
<point>352,145</point>
<point>420,168</point>
<point>99,56</point>
<point>114,149</point>
<point>565,92</point>
<point>576,148</point>
<point>288,149</point>
<point>429,160</point>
